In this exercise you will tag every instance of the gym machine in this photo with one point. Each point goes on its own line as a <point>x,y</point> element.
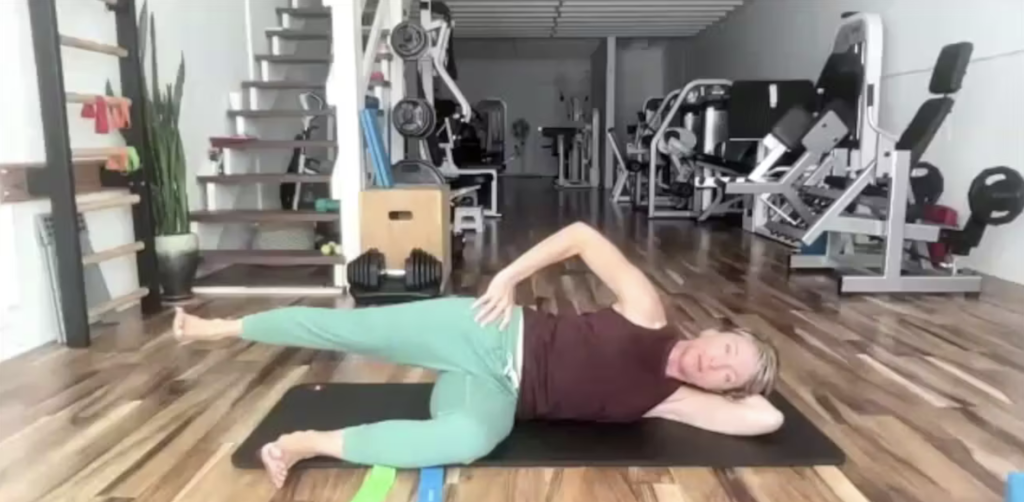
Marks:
<point>849,82</point>
<point>628,172</point>
<point>493,123</point>
<point>629,184</point>
<point>752,107</point>
<point>679,143</point>
<point>577,148</point>
<point>882,203</point>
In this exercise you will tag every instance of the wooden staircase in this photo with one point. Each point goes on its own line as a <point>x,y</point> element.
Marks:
<point>237,154</point>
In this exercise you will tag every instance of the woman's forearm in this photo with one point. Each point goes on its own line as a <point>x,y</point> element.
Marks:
<point>560,246</point>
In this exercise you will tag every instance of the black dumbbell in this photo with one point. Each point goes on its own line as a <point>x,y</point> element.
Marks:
<point>365,271</point>
<point>422,271</point>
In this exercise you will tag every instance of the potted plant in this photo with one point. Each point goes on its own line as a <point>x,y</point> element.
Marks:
<point>177,248</point>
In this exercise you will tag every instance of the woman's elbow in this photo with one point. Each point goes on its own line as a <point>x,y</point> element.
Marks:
<point>764,421</point>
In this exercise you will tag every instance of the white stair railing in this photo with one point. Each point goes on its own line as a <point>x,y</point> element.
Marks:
<point>346,92</point>
<point>347,97</point>
<point>380,18</point>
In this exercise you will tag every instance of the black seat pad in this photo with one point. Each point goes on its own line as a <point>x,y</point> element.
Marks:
<point>739,167</point>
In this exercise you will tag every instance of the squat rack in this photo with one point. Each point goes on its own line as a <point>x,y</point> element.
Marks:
<point>60,159</point>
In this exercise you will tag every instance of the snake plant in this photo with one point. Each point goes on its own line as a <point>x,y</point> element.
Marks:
<point>165,155</point>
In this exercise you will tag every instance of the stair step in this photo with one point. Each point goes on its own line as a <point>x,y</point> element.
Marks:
<point>265,144</point>
<point>265,114</point>
<point>254,178</point>
<point>259,216</point>
<point>270,257</point>
<point>318,13</point>
<point>292,59</point>
<point>284,84</point>
<point>296,34</point>
<point>305,12</point>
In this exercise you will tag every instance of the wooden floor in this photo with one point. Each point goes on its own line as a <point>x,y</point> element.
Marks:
<point>923,393</point>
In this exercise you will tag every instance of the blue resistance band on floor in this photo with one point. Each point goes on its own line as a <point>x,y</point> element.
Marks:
<point>431,485</point>
<point>1015,487</point>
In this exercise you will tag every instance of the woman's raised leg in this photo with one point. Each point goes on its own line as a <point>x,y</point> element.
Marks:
<point>439,334</point>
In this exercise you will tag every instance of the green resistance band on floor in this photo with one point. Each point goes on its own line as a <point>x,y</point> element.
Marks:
<point>376,485</point>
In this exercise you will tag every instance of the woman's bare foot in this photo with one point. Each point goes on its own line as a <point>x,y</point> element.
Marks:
<point>188,328</point>
<point>279,457</point>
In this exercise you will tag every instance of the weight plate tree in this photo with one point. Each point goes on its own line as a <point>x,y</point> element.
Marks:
<point>414,118</point>
<point>410,41</point>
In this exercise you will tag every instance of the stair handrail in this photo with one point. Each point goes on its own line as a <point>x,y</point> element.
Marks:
<point>371,47</point>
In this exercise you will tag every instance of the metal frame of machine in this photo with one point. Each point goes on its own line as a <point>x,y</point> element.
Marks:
<point>863,34</point>
<point>885,216</point>
<point>653,199</point>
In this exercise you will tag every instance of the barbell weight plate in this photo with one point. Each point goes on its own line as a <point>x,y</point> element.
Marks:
<point>927,183</point>
<point>424,261</point>
<point>410,41</point>
<point>375,267</point>
<point>409,273</point>
<point>996,196</point>
<point>414,271</point>
<point>438,273</point>
<point>416,172</point>
<point>414,118</point>
<point>421,278</point>
<point>357,271</point>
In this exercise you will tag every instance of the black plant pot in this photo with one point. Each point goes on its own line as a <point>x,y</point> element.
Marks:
<point>177,259</point>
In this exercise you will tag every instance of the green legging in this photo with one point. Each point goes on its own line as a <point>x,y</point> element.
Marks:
<point>474,399</point>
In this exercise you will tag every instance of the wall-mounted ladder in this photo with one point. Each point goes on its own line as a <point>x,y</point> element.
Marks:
<point>61,160</point>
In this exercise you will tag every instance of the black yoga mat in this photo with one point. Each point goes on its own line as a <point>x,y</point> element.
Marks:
<point>648,443</point>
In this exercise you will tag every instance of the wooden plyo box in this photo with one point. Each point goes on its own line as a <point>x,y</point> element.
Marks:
<point>397,220</point>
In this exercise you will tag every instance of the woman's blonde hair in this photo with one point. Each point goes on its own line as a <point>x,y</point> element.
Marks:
<point>767,373</point>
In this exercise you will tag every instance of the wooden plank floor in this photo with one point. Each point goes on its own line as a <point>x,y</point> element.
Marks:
<point>923,393</point>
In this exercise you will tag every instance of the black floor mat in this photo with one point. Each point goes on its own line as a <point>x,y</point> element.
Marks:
<point>649,443</point>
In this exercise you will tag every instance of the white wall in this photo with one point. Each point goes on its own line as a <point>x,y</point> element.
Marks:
<point>529,75</point>
<point>675,64</point>
<point>27,316</point>
<point>791,39</point>
<point>640,74</point>
<point>214,41</point>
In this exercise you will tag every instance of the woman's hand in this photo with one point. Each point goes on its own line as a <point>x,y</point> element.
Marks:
<point>498,301</point>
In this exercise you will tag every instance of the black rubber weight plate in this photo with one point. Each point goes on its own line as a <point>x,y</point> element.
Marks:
<point>649,443</point>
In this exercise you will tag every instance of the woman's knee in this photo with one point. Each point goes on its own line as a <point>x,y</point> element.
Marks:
<point>477,437</point>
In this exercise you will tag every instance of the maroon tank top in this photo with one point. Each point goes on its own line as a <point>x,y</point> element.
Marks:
<point>597,366</point>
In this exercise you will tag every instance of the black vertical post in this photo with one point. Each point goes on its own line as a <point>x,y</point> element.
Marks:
<point>60,175</point>
<point>138,182</point>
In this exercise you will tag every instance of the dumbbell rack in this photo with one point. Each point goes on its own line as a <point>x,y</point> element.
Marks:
<point>61,159</point>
